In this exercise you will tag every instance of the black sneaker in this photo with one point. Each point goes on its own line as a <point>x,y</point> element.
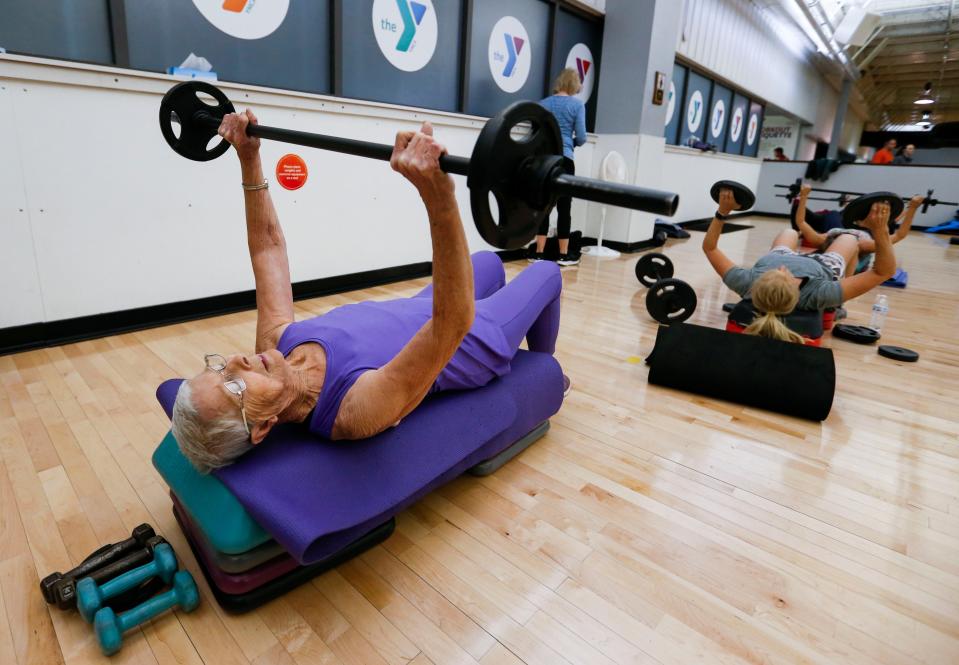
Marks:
<point>568,260</point>
<point>534,257</point>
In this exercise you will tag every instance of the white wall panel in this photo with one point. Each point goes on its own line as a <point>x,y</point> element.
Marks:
<point>743,43</point>
<point>117,220</point>
<point>20,301</point>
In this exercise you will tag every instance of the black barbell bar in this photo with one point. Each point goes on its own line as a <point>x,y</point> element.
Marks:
<point>531,180</point>
<point>367,149</point>
<point>926,202</point>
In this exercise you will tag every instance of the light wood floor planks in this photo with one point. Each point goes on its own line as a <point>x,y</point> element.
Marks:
<point>649,526</point>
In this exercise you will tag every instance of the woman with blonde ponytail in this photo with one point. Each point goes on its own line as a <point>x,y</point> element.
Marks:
<point>806,282</point>
<point>774,294</point>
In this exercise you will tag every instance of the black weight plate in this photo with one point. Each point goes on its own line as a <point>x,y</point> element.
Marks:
<point>183,100</point>
<point>653,267</point>
<point>495,164</point>
<point>858,209</point>
<point>671,301</point>
<point>857,334</point>
<point>743,195</point>
<point>898,353</point>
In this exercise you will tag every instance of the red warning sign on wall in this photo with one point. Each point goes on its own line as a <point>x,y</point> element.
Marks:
<point>291,171</point>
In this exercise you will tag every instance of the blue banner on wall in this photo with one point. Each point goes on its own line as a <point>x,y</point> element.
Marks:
<point>401,51</point>
<point>737,125</point>
<point>508,54</point>
<point>276,44</point>
<point>694,110</point>
<point>674,98</point>
<point>754,127</point>
<point>719,113</point>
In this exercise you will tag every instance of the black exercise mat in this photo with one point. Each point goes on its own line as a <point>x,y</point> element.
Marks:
<point>788,378</point>
<point>728,227</point>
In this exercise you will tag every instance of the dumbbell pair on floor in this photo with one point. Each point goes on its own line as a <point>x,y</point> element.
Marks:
<point>123,577</point>
<point>669,300</point>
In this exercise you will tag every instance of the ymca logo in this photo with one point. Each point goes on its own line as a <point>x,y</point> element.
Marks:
<point>736,127</point>
<point>244,19</point>
<point>581,59</point>
<point>670,102</point>
<point>406,32</point>
<point>753,129</point>
<point>719,115</point>
<point>694,111</point>
<point>238,6</point>
<point>514,46</point>
<point>509,54</point>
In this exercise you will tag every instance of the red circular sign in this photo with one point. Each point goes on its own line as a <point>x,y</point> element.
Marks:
<point>291,171</point>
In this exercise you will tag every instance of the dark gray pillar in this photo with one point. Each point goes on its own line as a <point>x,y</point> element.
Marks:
<point>840,118</point>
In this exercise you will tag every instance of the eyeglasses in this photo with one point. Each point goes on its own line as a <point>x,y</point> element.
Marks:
<point>233,384</point>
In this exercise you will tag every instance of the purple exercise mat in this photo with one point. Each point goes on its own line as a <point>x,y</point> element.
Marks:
<point>315,497</point>
<point>235,583</point>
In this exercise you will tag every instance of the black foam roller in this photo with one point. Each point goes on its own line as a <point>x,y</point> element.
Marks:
<point>788,378</point>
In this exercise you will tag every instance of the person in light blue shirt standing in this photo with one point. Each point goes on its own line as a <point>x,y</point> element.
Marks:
<point>570,114</point>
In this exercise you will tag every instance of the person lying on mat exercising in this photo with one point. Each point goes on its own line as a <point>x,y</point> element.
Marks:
<point>783,279</point>
<point>360,369</point>
<point>867,245</point>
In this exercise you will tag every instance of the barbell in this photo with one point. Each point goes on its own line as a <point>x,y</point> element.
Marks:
<point>523,171</point>
<point>795,187</point>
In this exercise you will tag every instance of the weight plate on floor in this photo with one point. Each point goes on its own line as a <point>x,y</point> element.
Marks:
<point>653,267</point>
<point>180,105</point>
<point>671,301</point>
<point>743,195</point>
<point>857,334</point>
<point>898,353</point>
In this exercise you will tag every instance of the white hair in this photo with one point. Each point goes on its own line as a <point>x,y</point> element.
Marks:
<point>209,443</point>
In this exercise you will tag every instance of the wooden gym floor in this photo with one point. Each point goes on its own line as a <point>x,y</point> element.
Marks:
<point>649,526</point>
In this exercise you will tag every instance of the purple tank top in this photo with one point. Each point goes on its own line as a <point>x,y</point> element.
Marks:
<point>365,336</point>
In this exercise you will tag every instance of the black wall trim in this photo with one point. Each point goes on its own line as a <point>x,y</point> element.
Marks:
<point>624,247</point>
<point>40,335</point>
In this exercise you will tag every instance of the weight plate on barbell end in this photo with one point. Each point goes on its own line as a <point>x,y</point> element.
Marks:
<point>180,104</point>
<point>743,195</point>
<point>857,334</point>
<point>858,209</point>
<point>671,301</point>
<point>497,161</point>
<point>898,353</point>
<point>653,267</point>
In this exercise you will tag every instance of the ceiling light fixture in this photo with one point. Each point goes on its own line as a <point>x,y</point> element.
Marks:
<point>926,97</point>
<point>926,122</point>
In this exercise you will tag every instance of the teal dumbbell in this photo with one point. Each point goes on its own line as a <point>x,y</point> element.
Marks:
<point>91,596</point>
<point>109,626</point>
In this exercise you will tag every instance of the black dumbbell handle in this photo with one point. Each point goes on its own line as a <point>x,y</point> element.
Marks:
<point>101,557</point>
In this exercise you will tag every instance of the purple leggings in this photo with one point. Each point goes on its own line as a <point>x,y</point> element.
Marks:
<point>526,307</point>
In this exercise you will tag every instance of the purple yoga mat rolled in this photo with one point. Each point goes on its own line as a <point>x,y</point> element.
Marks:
<point>315,497</point>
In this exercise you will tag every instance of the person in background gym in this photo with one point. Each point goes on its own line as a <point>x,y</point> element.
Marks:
<point>885,154</point>
<point>570,114</point>
<point>360,369</point>
<point>904,156</point>
<point>867,245</point>
<point>783,279</point>
<point>779,155</point>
